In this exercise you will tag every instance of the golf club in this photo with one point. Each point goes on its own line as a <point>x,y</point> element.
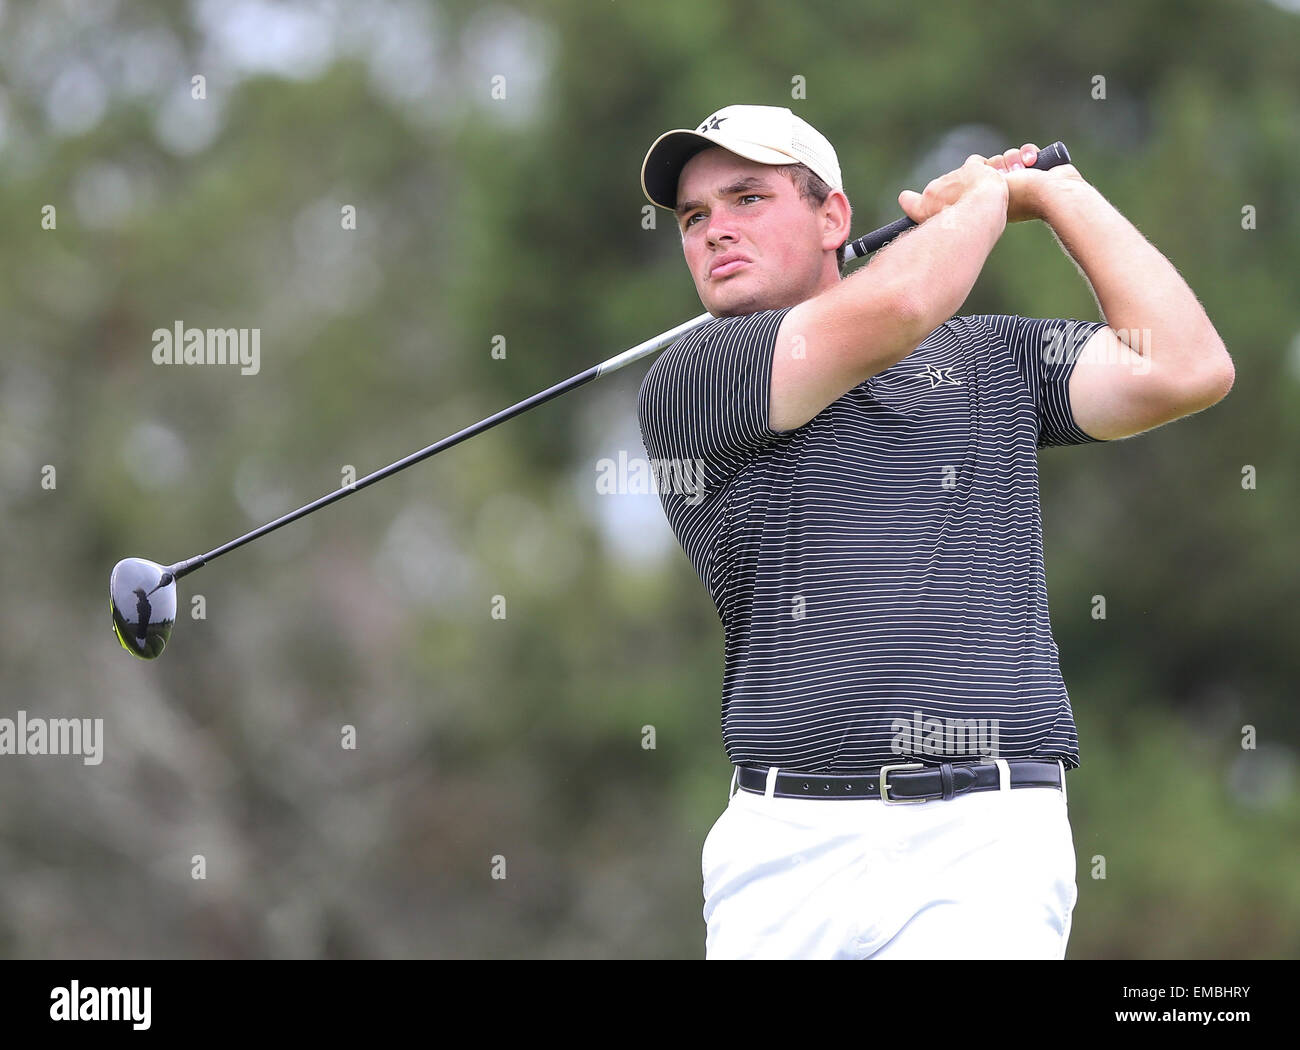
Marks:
<point>142,593</point>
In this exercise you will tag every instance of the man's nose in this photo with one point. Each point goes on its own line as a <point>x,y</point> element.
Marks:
<point>719,228</point>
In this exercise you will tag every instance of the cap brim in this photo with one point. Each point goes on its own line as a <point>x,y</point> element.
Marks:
<point>669,153</point>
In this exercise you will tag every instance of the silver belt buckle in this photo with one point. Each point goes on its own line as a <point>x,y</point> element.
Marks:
<point>884,791</point>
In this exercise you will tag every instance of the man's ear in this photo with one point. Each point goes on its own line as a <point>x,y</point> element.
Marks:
<point>837,220</point>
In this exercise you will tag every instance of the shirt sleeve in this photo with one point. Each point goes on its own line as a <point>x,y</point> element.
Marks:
<point>1045,351</point>
<point>706,399</point>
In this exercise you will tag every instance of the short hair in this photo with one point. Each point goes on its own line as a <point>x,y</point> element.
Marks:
<point>812,188</point>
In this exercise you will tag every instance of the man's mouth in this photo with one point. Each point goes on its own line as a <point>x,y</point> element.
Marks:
<point>727,267</point>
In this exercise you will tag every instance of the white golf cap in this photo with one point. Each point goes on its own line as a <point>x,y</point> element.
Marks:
<point>765,134</point>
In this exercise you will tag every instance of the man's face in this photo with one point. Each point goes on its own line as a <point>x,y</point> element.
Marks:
<point>750,241</point>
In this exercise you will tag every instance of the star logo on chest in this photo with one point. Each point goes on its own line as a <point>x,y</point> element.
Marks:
<point>938,376</point>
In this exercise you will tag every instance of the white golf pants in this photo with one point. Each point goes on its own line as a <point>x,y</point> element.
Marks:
<point>985,875</point>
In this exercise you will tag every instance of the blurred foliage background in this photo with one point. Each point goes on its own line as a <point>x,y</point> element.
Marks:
<point>522,217</point>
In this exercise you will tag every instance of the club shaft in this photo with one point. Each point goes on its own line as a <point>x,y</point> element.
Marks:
<point>1048,158</point>
<point>184,568</point>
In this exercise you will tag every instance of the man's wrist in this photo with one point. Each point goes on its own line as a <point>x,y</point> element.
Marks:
<point>1058,198</point>
<point>991,198</point>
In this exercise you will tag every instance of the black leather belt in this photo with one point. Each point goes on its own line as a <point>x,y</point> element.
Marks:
<point>906,782</point>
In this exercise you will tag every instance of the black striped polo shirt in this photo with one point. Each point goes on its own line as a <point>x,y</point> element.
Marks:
<point>879,570</point>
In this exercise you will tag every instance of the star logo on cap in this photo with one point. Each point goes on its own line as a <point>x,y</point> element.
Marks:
<point>712,123</point>
<point>938,376</point>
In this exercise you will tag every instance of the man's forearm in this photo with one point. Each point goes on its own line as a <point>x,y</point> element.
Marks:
<point>1140,294</point>
<point>935,266</point>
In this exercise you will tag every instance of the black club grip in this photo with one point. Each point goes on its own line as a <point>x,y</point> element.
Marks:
<point>1052,156</point>
<point>1048,157</point>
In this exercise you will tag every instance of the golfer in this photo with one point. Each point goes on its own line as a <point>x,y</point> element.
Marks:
<point>870,534</point>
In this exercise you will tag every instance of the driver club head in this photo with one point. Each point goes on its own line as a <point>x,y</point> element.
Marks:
<point>142,596</point>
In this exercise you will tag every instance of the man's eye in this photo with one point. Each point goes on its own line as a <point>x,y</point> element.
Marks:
<point>690,219</point>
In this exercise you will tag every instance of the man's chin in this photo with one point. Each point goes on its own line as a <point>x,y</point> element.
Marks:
<point>738,305</point>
